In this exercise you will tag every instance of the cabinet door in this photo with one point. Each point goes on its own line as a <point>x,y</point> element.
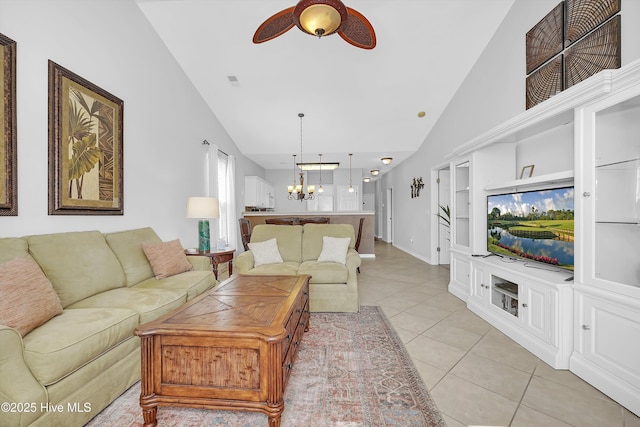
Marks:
<point>460,223</point>
<point>608,193</point>
<point>480,286</point>
<point>536,309</point>
<point>608,336</point>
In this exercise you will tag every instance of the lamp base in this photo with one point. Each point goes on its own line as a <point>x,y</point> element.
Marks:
<point>204,238</point>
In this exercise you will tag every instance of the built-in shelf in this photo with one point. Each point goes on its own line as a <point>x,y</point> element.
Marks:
<point>564,177</point>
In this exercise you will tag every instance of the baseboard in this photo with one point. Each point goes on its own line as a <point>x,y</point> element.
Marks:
<point>420,257</point>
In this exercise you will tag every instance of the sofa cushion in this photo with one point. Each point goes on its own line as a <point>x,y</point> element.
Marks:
<point>192,282</point>
<point>28,299</point>
<point>148,303</point>
<point>286,268</point>
<point>13,247</point>
<point>289,239</point>
<point>166,258</point>
<point>313,234</point>
<point>334,249</point>
<point>78,264</point>
<point>324,272</point>
<point>71,340</point>
<point>265,252</point>
<point>127,246</point>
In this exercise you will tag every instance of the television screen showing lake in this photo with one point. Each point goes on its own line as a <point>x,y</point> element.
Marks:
<point>533,225</point>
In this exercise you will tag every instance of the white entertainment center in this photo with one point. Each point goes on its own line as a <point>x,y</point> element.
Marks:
<point>586,320</point>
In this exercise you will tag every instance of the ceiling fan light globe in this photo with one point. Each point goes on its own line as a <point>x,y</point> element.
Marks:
<point>320,17</point>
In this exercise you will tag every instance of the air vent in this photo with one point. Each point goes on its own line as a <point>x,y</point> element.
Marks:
<point>233,80</point>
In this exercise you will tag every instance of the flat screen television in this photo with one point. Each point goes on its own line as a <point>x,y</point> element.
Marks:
<point>534,226</point>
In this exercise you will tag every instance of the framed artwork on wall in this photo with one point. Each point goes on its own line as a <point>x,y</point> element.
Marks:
<point>85,146</point>
<point>8,140</point>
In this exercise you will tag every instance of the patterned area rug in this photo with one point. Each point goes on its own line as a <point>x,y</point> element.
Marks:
<point>352,370</point>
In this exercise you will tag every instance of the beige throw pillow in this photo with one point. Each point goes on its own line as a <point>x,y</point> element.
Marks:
<point>334,249</point>
<point>265,252</point>
<point>166,258</point>
<point>28,299</point>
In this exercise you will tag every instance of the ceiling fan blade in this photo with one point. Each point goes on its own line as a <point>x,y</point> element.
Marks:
<point>358,31</point>
<point>274,26</point>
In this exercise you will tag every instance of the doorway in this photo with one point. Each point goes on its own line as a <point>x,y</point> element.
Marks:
<point>443,221</point>
<point>389,214</point>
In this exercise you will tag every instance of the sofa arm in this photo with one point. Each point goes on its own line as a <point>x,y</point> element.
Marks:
<point>200,263</point>
<point>17,384</point>
<point>353,259</point>
<point>243,262</point>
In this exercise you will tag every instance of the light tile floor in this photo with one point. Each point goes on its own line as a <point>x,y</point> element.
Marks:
<point>476,375</point>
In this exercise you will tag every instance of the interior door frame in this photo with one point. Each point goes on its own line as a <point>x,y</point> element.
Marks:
<point>389,216</point>
<point>435,223</point>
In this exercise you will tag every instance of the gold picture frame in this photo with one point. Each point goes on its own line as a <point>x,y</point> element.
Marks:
<point>8,140</point>
<point>527,171</point>
<point>85,146</point>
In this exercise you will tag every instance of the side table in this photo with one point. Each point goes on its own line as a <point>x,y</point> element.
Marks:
<point>216,258</point>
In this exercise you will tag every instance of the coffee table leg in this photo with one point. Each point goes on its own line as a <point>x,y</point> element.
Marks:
<point>274,419</point>
<point>149,415</point>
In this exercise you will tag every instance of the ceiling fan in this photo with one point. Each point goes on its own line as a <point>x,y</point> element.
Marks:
<point>320,18</point>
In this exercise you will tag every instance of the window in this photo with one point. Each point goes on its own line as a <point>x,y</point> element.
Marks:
<point>223,197</point>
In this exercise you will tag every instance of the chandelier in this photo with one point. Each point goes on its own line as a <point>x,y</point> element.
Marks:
<point>296,191</point>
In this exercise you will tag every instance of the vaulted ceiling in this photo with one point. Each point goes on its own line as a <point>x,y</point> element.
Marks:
<point>364,102</point>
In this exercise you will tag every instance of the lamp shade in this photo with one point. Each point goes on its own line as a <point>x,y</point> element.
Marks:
<point>203,207</point>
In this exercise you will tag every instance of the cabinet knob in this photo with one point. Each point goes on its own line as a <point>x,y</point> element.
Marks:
<point>586,327</point>
<point>524,305</point>
<point>586,194</point>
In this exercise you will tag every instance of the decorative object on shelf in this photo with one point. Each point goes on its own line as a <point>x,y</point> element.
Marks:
<point>527,171</point>
<point>544,40</point>
<point>296,191</point>
<point>600,50</point>
<point>203,208</point>
<point>416,186</point>
<point>8,140</point>
<point>577,39</point>
<point>386,160</point>
<point>85,161</point>
<point>320,18</point>
<point>350,186</point>
<point>375,172</point>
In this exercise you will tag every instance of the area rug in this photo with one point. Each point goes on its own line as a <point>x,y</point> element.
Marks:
<point>352,370</point>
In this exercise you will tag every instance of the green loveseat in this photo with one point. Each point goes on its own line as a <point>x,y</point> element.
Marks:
<point>67,370</point>
<point>333,286</point>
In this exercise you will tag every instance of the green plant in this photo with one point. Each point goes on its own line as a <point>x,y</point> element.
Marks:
<point>445,215</point>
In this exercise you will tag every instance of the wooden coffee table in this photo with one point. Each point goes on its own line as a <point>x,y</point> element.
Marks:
<point>230,348</point>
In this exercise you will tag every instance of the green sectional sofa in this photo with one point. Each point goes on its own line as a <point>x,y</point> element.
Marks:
<point>333,286</point>
<point>67,370</point>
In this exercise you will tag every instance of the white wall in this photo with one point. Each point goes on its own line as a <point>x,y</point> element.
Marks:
<point>111,44</point>
<point>493,92</point>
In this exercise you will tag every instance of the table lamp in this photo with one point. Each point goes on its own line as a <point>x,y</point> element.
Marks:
<point>203,208</point>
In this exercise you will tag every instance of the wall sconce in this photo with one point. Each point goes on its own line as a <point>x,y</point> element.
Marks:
<point>386,160</point>
<point>416,186</point>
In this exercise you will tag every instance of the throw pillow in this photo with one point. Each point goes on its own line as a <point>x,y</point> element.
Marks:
<point>265,252</point>
<point>334,249</point>
<point>28,299</point>
<point>166,258</point>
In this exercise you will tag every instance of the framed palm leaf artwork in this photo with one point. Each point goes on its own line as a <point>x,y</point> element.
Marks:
<point>85,146</point>
<point>8,153</point>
